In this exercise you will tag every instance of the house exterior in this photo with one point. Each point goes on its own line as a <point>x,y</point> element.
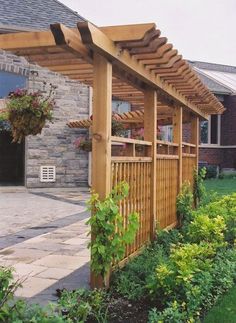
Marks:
<point>54,149</point>
<point>218,135</point>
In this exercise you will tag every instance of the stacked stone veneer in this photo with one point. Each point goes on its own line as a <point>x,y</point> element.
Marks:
<point>55,145</point>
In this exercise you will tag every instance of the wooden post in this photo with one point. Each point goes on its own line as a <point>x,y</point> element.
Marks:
<point>195,136</point>
<point>150,134</point>
<point>101,142</point>
<point>177,138</point>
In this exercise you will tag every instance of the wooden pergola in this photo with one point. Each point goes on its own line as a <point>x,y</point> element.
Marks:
<point>136,64</point>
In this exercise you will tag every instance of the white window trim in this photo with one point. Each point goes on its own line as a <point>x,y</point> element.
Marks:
<point>208,144</point>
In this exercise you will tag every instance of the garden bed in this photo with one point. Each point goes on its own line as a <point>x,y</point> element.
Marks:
<point>178,278</point>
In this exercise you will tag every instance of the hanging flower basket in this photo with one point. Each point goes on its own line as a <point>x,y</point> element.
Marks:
<point>84,144</point>
<point>28,112</point>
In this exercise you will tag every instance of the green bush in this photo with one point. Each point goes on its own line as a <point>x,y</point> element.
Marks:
<point>185,271</point>
<point>203,228</point>
<point>132,282</point>
<point>211,171</point>
<point>81,305</point>
<point>185,203</point>
<point>226,208</point>
<point>18,311</point>
<point>199,190</point>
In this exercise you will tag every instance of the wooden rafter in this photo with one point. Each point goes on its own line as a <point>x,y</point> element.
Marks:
<point>140,56</point>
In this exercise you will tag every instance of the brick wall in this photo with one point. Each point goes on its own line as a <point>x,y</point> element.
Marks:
<point>55,145</point>
<point>228,122</point>
<point>224,157</point>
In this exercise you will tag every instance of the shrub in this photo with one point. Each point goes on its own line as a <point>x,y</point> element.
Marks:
<point>82,305</point>
<point>185,203</point>
<point>185,271</point>
<point>226,208</point>
<point>132,281</point>
<point>203,228</point>
<point>199,190</point>
<point>211,171</point>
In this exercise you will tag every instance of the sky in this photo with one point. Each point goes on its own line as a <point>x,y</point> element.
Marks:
<point>203,30</point>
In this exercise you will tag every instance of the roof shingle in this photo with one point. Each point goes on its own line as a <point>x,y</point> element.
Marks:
<point>36,14</point>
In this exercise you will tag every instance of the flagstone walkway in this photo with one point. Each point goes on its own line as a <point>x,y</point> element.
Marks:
<point>44,237</point>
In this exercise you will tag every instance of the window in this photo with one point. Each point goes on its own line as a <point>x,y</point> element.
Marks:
<point>210,131</point>
<point>166,133</point>
<point>10,82</point>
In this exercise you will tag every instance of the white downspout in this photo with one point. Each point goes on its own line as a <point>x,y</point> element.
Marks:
<point>90,154</point>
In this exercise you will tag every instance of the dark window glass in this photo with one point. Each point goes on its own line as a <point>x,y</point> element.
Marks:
<point>10,82</point>
<point>214,129</point>
<point>204,132</point>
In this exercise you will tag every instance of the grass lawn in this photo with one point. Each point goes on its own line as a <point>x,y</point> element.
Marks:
<point>221,186</point>
<point>225,309</point>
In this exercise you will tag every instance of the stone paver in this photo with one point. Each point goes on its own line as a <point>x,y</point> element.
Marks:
<point>52,256</point>
<point>22,210</point>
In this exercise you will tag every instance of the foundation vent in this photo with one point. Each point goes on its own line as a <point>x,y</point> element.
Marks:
<point>47,174</point>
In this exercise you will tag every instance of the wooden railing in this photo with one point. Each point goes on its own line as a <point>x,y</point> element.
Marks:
<point>167,148</point>
<point>131,147</point>
<point>136,171</point>
<point>189,162</point>
<point>167,183</point>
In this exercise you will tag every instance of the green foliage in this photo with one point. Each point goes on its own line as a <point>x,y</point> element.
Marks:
<point>173,313</point>
<point>81,305</point>
<point>19,311</point>
<point>211,171</point>
<point>199,190</point>
<point>110,234</point>
<point>185,271</point>
<point>132,281</point>
<point>203,228</point>
<point>225,208</point>
<point>185,203</point>
<point>167,238</point>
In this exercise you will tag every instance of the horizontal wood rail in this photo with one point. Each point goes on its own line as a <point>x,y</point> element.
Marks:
<point>189,155</point>
<point>167,143</point>
<point>167,148</point>
<point>127,159</point>
<point>131,147</point>
<point>160,156</point>
<point>188,144</point>
<point>131,141</point>
<point>189,148</point>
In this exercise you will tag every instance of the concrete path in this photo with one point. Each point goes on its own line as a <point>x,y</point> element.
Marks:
<point>44,237</point>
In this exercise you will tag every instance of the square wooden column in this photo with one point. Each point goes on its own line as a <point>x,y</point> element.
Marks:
<point>177,138</point>
<point>101,142</point>
<point>150,134</point>
<point>195,136</point>
<point>102,110</point>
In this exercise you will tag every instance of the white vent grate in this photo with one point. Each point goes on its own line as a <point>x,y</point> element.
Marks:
<point>47,174</point>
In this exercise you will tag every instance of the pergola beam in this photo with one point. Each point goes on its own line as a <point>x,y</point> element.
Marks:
<point>99,42</point>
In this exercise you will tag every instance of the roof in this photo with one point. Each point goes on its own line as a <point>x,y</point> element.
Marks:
<point>220,79</point>
<point>35,14</point>
<point>140,58</point>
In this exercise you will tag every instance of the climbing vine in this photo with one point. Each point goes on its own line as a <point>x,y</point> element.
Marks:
<point>110,236</point>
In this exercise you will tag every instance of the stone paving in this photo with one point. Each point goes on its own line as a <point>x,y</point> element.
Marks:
<point>44,237</point>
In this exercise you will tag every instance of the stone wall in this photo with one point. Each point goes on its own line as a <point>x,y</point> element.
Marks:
<point>55,145</point>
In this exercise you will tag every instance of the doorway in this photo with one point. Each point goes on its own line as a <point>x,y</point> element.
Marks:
<point>12,160</point>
